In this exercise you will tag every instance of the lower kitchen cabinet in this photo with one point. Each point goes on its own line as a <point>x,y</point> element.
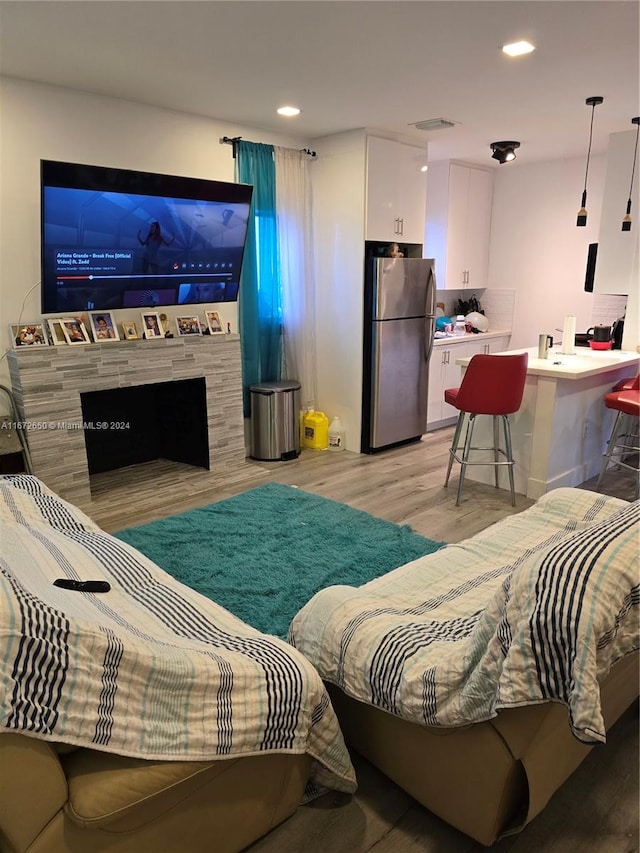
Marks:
<point>492,345</point>
<point>445,373</point>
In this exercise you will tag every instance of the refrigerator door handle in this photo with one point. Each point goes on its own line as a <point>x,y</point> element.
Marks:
<point>430,315</point>
<point>428,336</point>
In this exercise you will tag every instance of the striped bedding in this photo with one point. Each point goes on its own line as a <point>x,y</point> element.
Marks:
<point>150,669</point>
<point>535,608</point>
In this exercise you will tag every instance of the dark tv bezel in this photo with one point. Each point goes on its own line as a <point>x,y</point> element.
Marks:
<point>57,173</point>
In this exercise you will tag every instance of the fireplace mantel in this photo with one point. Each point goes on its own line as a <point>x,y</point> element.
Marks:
<point>48,381</point>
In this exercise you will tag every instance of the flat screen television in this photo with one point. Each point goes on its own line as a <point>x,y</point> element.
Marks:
<point>115,238</point>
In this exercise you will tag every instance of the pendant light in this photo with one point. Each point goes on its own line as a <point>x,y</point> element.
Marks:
<point>626,222</point>
<point>582,213</point>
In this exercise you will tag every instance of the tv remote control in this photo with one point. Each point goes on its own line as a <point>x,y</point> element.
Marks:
<point>82,586</point>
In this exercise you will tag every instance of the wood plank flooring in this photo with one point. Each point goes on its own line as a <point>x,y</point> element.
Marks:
<point>596,811</point>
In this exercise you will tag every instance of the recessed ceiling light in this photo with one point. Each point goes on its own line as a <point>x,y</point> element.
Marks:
<point>518,48</point>
<point>424,168</point>
<point>288,111</point>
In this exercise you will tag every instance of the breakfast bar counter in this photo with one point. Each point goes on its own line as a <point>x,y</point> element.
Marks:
<point>561,430</point>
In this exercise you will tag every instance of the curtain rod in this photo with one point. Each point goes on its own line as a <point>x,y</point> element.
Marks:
<point>233,140</point>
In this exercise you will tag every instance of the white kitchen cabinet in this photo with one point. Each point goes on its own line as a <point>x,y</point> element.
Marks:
<point>443,373</point>
<point>458,223</point>
<point>485,346</point>
<point>396,191</point>
<point>617,249</point>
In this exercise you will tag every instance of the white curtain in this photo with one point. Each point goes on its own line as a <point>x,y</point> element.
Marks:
<point>295,242</point>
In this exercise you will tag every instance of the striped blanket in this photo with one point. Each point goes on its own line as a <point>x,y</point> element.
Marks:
<point>535,608</point>
<point>151,669</point>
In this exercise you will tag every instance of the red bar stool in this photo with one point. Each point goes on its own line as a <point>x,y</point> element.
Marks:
<point>492,385</point>
<point>623,447</point>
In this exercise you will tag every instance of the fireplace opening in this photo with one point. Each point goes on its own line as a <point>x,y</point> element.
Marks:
<point>128,426</point>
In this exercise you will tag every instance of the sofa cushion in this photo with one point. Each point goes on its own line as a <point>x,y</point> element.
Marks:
<point>103,787</point>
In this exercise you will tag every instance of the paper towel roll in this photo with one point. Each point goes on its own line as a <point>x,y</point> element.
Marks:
<point>569,335</point>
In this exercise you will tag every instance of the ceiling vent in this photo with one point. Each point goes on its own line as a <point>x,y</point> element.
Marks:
<point>435,124</point>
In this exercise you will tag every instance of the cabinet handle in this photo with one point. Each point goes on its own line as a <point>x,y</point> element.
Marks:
<point>401,232</point>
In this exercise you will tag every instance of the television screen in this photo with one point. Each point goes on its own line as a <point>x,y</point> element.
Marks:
<point>114,238</point>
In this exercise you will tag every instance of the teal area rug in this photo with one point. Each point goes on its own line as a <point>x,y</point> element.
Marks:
<point>264,553</point>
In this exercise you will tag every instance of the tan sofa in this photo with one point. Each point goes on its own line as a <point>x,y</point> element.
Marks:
<point>488,779</point>
<point>84,800</point>
<point>144,718</point>
<point>442,672</point>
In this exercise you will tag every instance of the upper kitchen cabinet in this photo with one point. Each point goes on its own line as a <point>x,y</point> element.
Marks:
<point>458,225</point>
<point>396,191</point>
<point>614,270</point>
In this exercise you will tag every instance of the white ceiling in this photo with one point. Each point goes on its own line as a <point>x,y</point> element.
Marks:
<point>349,64</point>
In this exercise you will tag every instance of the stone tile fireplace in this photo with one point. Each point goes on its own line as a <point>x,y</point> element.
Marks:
<point>50,384</point>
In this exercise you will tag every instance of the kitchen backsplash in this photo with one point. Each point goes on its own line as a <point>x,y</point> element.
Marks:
<point>607,308</point>
<point>497,305</point>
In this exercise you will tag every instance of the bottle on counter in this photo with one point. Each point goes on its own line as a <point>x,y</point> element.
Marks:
<point>460,327</point>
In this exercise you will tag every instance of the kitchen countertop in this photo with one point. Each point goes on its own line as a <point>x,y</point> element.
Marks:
<point>469,336</point>
<point>586,362</point>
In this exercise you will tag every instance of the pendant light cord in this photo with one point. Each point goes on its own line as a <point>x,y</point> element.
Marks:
<point>633,168</point>
<point>586,171</point>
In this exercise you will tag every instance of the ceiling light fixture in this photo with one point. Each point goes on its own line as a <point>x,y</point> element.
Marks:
<point>582,213</point>
<point>504,152</point>
<point>517,48</point>
<point>626,222</point>
<point>431,124</point>
<point>288,111</point>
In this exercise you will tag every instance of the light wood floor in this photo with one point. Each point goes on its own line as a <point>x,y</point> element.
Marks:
<point>596,811</point>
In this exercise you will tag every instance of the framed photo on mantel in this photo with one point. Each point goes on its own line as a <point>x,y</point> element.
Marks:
<point>129,330</point>
<point>103,326</point>
<point>75,331</point>
<point>188,326</point>
<point>57,333</point>
<point>152,325</point>
<point>28,335</point>
<point>214,323</point>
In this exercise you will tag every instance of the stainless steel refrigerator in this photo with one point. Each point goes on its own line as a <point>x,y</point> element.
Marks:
<point>399,317</point>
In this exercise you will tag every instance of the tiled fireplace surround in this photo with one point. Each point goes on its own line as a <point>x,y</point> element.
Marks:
<point>48,381</point>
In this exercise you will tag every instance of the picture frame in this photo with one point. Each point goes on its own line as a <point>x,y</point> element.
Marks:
<point>56,332</point>
<point>214,323</point>
<point>103,327</point>
<point>129,330</point>
<point>75,331</point>
<point>28,334</point>
<point>151,325</point>
<point>188,326</point>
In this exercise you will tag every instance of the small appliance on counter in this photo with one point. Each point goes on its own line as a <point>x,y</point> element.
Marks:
<point>602,336</point>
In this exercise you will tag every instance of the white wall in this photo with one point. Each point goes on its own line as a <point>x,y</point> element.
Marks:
<point>45,122</point>
<point>338,195</point>
<point>536,247</point>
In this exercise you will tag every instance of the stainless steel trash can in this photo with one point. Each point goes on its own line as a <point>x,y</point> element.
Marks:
<point>275,432</point>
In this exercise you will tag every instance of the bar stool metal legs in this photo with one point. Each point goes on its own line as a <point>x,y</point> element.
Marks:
<point>467,447</point>
<point>621,445</point>
<point>492,385</point>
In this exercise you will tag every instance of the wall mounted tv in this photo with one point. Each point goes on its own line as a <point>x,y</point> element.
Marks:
<point>114,238</point>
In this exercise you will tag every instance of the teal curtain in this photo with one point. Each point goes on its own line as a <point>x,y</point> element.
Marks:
<point>260,299</point>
